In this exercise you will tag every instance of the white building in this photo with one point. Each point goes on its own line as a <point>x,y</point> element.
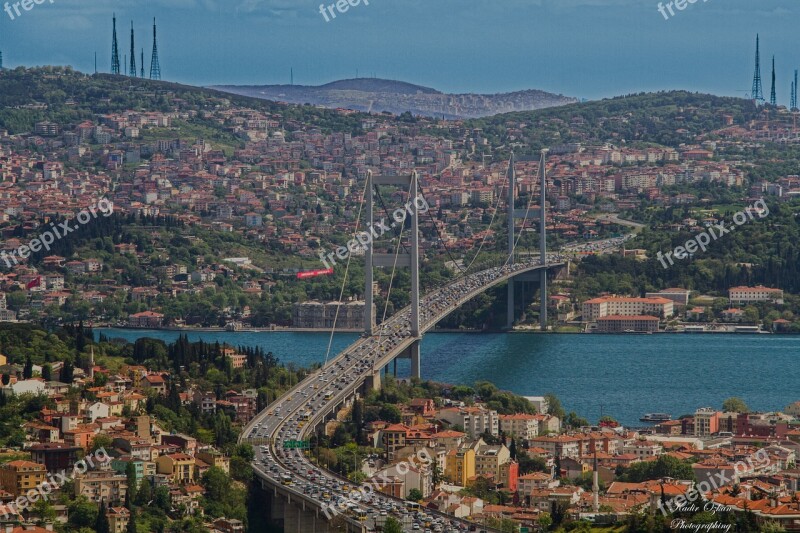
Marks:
<point>474,420</point>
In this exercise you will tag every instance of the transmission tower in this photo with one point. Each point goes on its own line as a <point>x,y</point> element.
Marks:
<point>132,70</point>
<point>114,50</point>
<point>757,93</point>
<point>772,100</point>
<point>155,67</point>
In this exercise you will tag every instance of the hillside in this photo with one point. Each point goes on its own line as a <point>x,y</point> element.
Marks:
<point>668,118</point>
<point>61,94</point>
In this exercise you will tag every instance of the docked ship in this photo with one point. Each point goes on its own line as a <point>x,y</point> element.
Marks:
<point>655,417</point>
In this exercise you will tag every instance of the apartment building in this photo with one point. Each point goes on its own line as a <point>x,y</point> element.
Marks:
<point>520,426</point>
<point>559,445</point>
<point>706,422</point>
<point>18,477</point>
<point>460,466</point>
<point>105,485</point>
<point>178,466</point>
<point>494,462</point>
<point>474,420</point>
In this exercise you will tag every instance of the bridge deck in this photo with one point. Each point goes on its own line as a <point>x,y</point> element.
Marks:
<point>322,393</point>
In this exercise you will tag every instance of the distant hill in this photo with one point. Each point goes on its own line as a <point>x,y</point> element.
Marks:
<point>376,85</point>
<point>377,95</point>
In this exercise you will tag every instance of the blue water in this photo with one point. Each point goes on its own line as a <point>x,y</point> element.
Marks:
<point>622,376</point>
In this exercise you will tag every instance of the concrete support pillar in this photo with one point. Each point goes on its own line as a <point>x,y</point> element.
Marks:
<point>278,510</point>
<point>510,310</point>
<point>543,303</point>
<point>291,519</point>
<point>416,360</point>
<point>374,382</point>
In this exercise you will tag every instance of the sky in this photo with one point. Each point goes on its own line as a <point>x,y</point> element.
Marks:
<point>583,48</point>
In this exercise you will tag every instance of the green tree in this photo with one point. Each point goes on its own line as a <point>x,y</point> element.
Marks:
<point>216,483</point>
<point>27,371</point>
<point>145,493</point>
<point>44,512</point>
<point>390,413</point>
<point>130,496</point>
<point>414,495</point>
<point>735,405</point>
<point>101,524</point>
<point>392,526</point>
<point>82,513</point>
<point>545,520</point>
<point>554,406</point>
<point>131,523</point>
<point>101,441</point>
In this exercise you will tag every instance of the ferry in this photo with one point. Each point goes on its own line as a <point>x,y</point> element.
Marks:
<point>655,417</point>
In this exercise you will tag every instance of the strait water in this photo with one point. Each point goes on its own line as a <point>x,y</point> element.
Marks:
<point>623,376</point>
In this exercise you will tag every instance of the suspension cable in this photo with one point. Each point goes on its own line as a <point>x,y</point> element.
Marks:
<point>463,271</point>
<point>439,234</point>
<point>346,271</point>
<point>391,278</point>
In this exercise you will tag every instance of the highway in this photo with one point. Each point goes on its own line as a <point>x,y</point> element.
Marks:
<point>294,415</point>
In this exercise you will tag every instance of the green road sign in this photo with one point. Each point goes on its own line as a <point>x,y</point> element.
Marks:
<point>296,445</point>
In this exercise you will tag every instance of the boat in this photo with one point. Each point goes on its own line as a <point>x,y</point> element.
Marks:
<point>655,417</point>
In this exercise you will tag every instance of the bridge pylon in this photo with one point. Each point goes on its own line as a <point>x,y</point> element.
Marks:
<point>514,214</point>
<point>408,259</point>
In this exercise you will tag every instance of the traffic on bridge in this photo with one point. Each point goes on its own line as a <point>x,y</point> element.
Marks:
<point>294,416</point>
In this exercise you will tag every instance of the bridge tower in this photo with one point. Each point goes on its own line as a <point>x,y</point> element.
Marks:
<point>402,259</point>
<point>515,214</point>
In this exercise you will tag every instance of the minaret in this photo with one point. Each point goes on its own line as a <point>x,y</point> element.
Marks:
<point>595,486</point>
<point>132,71</point>
<point>91,363</point>
<point>772,99</point>
<point>114,50</point>
<point>155,67</point>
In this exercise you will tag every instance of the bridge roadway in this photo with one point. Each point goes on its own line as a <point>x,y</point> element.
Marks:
<point>299,490</point>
